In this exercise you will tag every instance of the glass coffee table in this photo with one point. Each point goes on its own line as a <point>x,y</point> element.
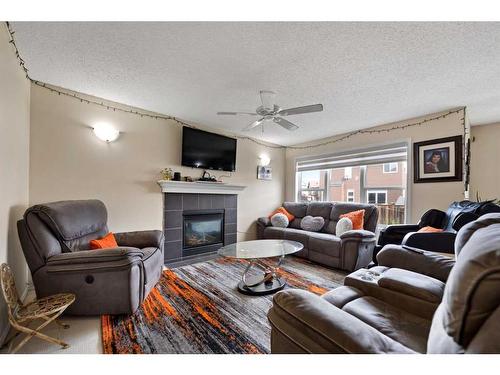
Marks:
<point>255,251</point>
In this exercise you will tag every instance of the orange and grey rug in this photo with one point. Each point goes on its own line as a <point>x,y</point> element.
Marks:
<point>197,309</point>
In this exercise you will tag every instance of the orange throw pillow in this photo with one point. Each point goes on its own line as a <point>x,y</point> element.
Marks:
<point>108,241</point>
<point>430,230</point>
<point>357,218</point>
<point>282,210</point>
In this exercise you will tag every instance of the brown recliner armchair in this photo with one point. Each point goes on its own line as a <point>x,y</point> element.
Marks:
<point>348,320</point>
<point>55,240</point>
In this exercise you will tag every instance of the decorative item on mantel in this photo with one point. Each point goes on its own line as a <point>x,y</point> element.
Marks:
<point>167,174</point>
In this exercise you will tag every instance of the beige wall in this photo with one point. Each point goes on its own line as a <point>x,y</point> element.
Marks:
<point>485,161</point>
<point>69,162</point>
<point>423,195</point>
<point>14,159</point>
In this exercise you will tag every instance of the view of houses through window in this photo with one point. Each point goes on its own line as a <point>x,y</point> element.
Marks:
<point>381,184</point>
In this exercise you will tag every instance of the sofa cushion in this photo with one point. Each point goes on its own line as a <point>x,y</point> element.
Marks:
<point>403,327</point>
<point>282,210</point>
<point>340,208</point>
<point>324,243</point>
<point>279,220</point>
<point>413,284</point>
<point>323,209</point>
<point>312,224</point>
<point>297,209</point>
<point>343,225</point>
<point>295,223</point>
<point>106,242</point>
<point>342,295</point>
<point>357,218</point>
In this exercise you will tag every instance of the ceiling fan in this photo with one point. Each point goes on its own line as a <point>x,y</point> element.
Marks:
<point>269,111</point>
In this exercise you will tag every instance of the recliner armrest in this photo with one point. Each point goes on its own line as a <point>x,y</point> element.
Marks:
<point>88,257</point>
<point>264,221</point>
<point>413,284</point>
<point>401,228</point>
<point>420,261</point>
<point>140,239</point>
<point>441,242</point>
<point>359,234</point>
<point>317,326</point>
<point>394,234</point>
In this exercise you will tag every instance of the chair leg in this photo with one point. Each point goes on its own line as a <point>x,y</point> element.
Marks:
<point>36,332</point>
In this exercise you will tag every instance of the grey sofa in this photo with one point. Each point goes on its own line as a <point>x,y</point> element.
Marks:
<point>55,240</point>
<point>351,251</point>
<point>350,320</point>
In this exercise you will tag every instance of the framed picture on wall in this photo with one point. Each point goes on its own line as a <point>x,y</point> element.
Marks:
<point>264,173</point>
<point>438,160</point>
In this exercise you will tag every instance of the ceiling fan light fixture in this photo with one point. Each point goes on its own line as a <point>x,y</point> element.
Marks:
<point>269,111</point>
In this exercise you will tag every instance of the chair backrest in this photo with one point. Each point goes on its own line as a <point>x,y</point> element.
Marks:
<point>65,226</point>
<point>457,209</point>
<point>9,287</point>
<point>468,317</point>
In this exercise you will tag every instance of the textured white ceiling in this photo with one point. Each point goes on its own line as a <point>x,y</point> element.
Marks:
<point>365,74</point>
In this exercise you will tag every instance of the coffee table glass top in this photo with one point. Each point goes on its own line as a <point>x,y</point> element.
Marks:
<point>260,249</point>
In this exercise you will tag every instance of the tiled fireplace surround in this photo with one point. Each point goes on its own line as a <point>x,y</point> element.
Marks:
<point>174,206</point>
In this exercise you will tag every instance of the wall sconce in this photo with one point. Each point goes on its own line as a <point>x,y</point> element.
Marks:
<point>264,160</point>
<point>105,132</point>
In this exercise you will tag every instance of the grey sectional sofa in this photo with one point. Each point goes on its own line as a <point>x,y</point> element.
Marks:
<point>403,311</point>
<point>350,251</point>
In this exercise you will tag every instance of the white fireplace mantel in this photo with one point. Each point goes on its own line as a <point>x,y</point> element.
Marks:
<point>199,187</point>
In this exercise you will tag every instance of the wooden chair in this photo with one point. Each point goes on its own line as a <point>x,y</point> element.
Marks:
<point>20,315</point>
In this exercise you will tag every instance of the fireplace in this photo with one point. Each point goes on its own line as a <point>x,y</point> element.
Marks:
<point>198,223</point>
<point>202,228</point>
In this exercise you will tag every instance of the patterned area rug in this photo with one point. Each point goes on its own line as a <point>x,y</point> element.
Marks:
<point>197,309</point>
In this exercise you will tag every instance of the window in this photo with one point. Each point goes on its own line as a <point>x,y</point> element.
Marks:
<point>376,196</point>
<point>350,195</point>
<point>391,168</point>
<point>312,186</point>
<point>376,175</point>
<point>348,173</point>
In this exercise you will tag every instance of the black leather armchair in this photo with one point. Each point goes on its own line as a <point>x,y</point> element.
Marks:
<point>457,215</point>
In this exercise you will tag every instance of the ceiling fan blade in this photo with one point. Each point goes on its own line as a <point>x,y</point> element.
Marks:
<point>253,124</point>
<point>237,113</point>
<point>285,123</point>
<point>267,98</point>
<point>299,110</point>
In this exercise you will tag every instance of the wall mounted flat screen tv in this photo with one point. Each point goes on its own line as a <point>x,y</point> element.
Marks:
<point>201,149</point>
